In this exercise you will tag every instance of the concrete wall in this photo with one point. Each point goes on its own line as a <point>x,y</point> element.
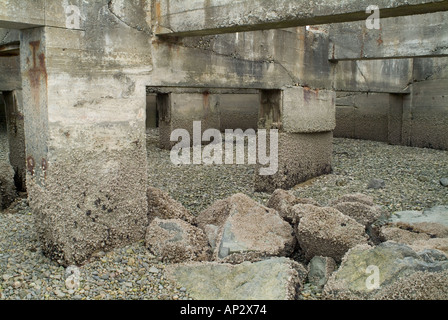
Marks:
<point>418,119</point>
<point>239,111</point>
<point>362,116</point>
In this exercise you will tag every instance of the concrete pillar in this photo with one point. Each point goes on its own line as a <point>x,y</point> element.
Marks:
<point>180,110</point>
<point>16,136</point>
<point>85,145</point>
<point>305,119</point>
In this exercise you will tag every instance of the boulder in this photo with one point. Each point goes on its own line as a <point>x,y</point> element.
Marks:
<point>387,272</point>
<point>283,201</point>
<point>408,227</point>
<point>177,241</point>
<point>440,244</point>
<point>327,232</point>
<point>396,234</point>
<point>354,197</point>
<point>7,187</point>
<point>362,213</point>
<point>162,206</point>
<point>272,279</point>
<point>320,270</point>
<point>251,232</point>
<point>437,215</point>
<point>218,212</point>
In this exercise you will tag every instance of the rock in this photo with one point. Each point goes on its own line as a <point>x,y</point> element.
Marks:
<point>212,233</point>
<point>444,182</point>
<point>252,231</point>
<point>354,197</point>
<point>360,212</point>
<point>440,244</point>
<point>327,232</point>
<point>72,283</point>
<point>390,271</point>
<point>410,226</point>
<point>320,270</point>
<point>282,201</point>
<point>376,184</point>
<point>72,278</point>
<point>7,187</point>
<point>154,270</point>
<point>162,206</point>
<point>272,279</point>
<point>437,215</point>
<point>396,234</point>
<point>431,255</point>
<point>177,241</point>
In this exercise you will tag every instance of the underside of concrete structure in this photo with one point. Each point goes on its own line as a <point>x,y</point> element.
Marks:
<point>81,83</point>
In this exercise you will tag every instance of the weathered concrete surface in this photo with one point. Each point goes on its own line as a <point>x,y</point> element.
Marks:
<point>239,111</point>
<point>273,279</point>
<point>429,115</point>
<point>362,116</point>
<point>388,76</point>
<point>398,38</point>
<point>300,158</point>
<point>10,77</point>
<point>308,111</point>
<point>183,110</point>
<point>177,18</point>
<point>36,13</point>
<point>85,134</point>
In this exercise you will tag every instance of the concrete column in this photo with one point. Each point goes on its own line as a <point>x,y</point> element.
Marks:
<point>85,145</point>
<point>180,110</point>
<point>305,119</point>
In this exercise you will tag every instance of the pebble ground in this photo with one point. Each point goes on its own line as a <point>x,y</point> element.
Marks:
<point>412,182</point>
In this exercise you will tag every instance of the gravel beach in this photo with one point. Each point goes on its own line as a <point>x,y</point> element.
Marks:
<point>411,182</point>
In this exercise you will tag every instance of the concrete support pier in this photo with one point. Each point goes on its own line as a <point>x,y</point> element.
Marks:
<point>305,119</point>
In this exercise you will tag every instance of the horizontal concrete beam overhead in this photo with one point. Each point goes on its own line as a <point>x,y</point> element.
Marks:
<point>24,14</point>
<point>194,18</point>
<point>402,37</point>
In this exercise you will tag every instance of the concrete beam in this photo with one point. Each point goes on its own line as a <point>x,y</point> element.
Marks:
<point>193,18</point>
<point>36,13</point>
<point>402,37</point>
